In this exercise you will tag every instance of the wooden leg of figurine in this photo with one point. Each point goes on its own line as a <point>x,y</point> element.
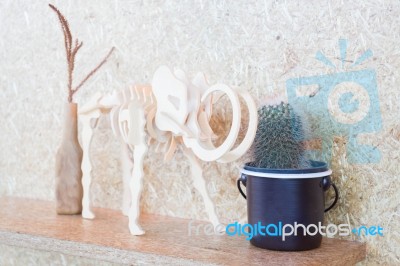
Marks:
<point>137,139</point>
<point>87,133</point>
<point>200,184</point>
<point>136,188</point>
<point>127,166</point>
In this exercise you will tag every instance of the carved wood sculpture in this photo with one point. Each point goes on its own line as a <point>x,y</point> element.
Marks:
<point>172,111</point>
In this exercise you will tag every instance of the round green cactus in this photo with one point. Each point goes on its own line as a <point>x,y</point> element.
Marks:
<point>278,141</point>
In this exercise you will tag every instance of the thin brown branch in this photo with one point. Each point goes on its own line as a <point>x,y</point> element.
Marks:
<point>72,58</point>
<point>71,51</point>
<point>67,35</point>
<point>76,48</point>
<point>68,47</point>
<point>65,29</point>
<point>72,64</point>
<point>94,70</point>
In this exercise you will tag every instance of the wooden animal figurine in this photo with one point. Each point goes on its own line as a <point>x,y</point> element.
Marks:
<point>172,111</point>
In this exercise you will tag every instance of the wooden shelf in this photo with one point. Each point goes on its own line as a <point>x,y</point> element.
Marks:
<point>34,224</point>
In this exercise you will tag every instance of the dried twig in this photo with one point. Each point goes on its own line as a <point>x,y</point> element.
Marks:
<point>71,52</point>
<point>94,70</point>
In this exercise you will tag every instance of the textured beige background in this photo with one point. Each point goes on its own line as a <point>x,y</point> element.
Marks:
<point>256,45</point>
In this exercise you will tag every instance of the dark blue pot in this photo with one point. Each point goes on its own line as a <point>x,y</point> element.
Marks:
<point>276,197</point>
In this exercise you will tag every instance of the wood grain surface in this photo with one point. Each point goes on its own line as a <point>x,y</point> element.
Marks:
<point>35,224</point>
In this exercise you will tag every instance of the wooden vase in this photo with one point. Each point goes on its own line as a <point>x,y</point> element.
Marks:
<point>69,189</point>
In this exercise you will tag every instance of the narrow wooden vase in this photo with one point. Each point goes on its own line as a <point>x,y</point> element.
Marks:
<point>69,189</point>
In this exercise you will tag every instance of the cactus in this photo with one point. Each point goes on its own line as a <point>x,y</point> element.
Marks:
<point>278,139</point>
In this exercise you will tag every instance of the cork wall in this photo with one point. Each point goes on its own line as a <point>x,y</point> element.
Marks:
<point>254,45</point>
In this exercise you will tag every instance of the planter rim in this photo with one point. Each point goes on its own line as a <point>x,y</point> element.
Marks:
<point>317,169</point>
